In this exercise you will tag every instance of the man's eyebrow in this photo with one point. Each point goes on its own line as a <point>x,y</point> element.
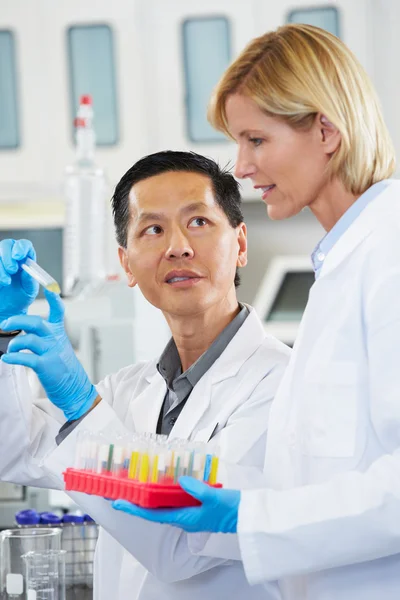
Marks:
<point>194,206</point>
<point>150,216</point>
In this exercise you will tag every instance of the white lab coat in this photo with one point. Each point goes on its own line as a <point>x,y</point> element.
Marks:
<point>230,403</point>
<point>329,526</point>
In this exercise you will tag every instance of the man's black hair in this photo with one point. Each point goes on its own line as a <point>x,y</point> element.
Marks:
<point>224,185</point>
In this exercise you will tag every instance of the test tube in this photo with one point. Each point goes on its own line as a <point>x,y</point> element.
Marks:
<point>117,466</point>
<point>177,467</point>
<point>102,459</point>
<point>161,466</point>
<point>81,450</point>
<point>93,448</point>
<point>199,460</point>
<point>133,459</point>
<point>207,468</point>
<point>214,468</point>
<point>144,467</point>
<point>41,276</point>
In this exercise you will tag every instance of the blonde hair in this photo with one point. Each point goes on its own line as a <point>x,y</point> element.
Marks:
<point>298,71</point>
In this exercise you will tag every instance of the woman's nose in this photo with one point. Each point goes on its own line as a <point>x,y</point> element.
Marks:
<point>244,167</point>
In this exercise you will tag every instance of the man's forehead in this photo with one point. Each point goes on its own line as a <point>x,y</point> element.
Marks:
<point>171,189</point>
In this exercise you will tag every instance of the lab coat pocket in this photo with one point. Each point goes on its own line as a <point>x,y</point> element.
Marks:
<point>330,410</point>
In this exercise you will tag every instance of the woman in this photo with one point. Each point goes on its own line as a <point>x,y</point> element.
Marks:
<point>310,133</point>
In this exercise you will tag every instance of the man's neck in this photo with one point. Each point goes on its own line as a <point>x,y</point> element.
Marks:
<point>193,334</point>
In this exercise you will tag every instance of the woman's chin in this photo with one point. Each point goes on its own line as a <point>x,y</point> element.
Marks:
<point>277,213</point>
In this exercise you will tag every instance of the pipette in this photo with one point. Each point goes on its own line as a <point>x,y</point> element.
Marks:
<point>41,276</point>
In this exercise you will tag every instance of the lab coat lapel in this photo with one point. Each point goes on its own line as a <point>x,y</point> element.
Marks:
<point>146,407</point>
<point>373,214</point>
<point>245,342</point>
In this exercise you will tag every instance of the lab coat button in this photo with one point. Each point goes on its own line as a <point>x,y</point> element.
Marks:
<point>321,256</point>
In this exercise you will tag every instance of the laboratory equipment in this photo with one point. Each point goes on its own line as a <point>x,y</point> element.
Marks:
<point>27,518</point>
<point>14,543</point>
<point>78,538</point>
<point>45,575</point>
<point>143,468</point>
<point>74,543</point>
<point>48,518</point>
<point>41,276</point>
<point>14,498</point>
<point>283,294</point>
<point>84,252</point>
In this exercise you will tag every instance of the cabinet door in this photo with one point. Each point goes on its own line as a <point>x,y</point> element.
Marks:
<point>187,46</point>
<point>352,18</point>
<point>23,116</point>
<point>66,24</point>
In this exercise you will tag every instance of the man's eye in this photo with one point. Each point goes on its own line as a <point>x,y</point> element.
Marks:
<point>198,222</point>
<point>153,230</point>
<point>256,141</point>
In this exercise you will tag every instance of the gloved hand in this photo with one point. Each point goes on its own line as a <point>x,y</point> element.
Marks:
<point>218,512</point>
<point>17,289</point>
<point>53,360</point>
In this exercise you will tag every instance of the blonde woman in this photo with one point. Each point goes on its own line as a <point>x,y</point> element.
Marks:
<point>310,133</point>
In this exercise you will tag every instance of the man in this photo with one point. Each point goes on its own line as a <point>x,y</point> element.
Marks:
<point>181,235</point>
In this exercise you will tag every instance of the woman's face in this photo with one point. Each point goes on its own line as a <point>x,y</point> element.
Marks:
<point>285,164</point>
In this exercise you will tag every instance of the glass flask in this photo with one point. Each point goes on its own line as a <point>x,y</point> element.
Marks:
<point>45,575</point>
<point>13,544</point>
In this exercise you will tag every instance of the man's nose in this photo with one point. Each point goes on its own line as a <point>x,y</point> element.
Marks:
<point>179,246</point>
<point>244,167</point>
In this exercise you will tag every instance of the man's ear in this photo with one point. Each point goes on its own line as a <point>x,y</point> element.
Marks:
<point>242,241</point>
<point>123,259</point>
<point>329,134</point>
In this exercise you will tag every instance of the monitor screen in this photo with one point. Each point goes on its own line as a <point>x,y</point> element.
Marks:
<point>291,299</point>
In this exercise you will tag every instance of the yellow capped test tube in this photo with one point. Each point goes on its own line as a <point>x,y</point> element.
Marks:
<point>214,470</point>
<point>144,468</point>
<point>133,465</point>
<point>154,469</point>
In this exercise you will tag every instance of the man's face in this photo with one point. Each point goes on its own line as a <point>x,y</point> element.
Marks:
<point>181,250</point>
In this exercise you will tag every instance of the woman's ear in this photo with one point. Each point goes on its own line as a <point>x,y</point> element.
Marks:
<point>329,134</point>
<point>123,259</point>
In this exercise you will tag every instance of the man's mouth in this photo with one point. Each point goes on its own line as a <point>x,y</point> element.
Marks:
<point>175,279</point>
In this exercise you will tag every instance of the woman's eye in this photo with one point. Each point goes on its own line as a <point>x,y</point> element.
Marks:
<point>198,222</point>
<point>153,230</point>
<point>255,141</point>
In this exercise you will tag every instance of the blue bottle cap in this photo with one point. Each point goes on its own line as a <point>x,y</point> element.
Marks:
<point>88,519</point>
<point>48,518</point>
<point>27,517</point>
<point>70,518</point>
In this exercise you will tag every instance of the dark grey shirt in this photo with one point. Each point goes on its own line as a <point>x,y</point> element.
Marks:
<point>4,341</point>
<point>179,385</point>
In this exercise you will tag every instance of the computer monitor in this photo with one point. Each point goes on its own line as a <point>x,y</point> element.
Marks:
<point>283,295</point>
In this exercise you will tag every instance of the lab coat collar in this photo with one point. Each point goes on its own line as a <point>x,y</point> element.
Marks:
<point>146,408</point>
<point>376,212</point>
<point>244,343</point>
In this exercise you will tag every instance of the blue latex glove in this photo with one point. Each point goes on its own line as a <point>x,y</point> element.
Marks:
<point>218,512</point>
<point>17,289</point>
<point>53,358</point>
